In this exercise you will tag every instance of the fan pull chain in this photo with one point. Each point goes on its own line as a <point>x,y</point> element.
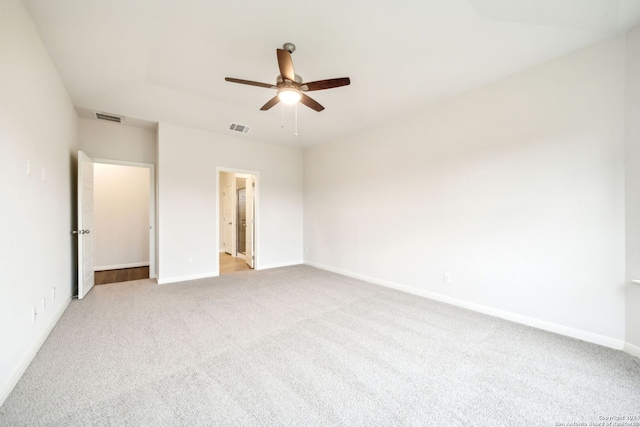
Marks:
<point>296,119</point>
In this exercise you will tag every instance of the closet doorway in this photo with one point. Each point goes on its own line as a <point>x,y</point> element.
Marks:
<point>237,211</point>
<point>124,221</point>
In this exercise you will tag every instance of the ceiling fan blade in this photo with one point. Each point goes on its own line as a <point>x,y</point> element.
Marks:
<point>273,101</point>
<point>326,84</point>
<point>286,65</point>
<point>309,102</point>
<point>250,83</point>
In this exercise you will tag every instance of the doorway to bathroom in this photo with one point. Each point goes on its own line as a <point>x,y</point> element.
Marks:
<point>238,220</point>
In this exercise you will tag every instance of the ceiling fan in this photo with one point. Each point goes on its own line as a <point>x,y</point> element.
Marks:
<point>290,85</point>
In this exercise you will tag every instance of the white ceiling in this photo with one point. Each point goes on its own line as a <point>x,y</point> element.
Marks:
<point>166,60</point>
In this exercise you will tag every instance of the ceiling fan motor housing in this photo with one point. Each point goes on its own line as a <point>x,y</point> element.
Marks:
<point>279,79</point>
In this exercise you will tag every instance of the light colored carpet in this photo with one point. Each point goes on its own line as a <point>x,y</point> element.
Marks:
<point>301,346</point>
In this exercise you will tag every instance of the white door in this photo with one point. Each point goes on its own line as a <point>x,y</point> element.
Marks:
<point>250,221</point>
<point>85,224</point>
<point>228,219</point>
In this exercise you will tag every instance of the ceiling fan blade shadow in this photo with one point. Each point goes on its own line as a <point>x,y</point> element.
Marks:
<point>286,65</point>
<point>311,103</point>
<point>326,84</point>
<point>273,101</point>
<point>250,83</point>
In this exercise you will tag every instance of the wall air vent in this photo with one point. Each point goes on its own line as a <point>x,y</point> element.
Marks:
<point>108,117</point>
<point>239,128</point>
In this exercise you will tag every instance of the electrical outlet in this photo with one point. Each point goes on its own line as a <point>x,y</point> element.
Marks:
<point>28,167</point>
<point>446,277</point>
<point>190,260</point>
<point>53,293</point>
<point>35,313</point>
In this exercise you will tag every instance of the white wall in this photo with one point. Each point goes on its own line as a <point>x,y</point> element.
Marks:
<point>113,141</point>
<point>38,125</point>
<point>121,216</point>
<point>633,188</point>
<point>515,188</point>
<point>188,219</point>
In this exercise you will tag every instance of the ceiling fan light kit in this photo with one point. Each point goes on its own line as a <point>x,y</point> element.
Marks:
<point>289,95</point>
<point>290,86</point>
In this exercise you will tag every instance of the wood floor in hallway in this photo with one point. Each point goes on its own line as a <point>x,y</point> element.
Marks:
<point>231,264</point>
<point>121,275</point>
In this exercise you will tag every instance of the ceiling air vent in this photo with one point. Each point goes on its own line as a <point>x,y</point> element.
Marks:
<point>239,128</point>
<point>108,117</point>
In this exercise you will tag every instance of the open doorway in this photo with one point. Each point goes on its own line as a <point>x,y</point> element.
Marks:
<point>124,215</point>
<point>237,229</point>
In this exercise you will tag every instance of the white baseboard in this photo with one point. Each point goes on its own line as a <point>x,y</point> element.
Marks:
<point>19,371</point>
<point>529,321</point>
<point>632,349</point>
<point>164,281</point>
<point>278,265</point>
<point>119,266</point>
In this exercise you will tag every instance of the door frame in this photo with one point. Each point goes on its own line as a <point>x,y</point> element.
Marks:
<point>256,209</point>
<point>153,229</point>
